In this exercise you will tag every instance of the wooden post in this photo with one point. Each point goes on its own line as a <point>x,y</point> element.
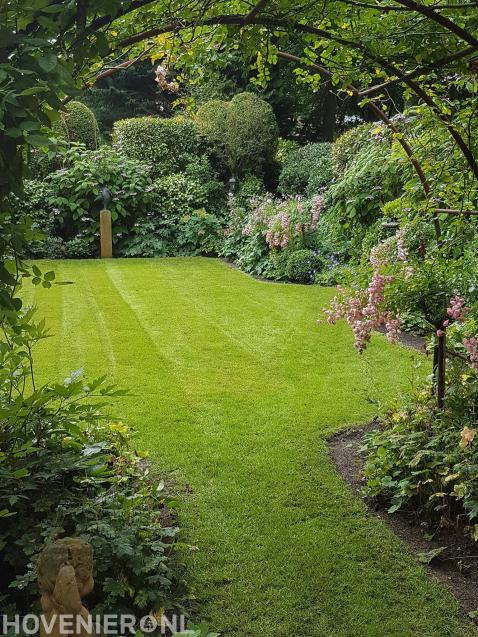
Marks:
<point>441,387</point>
<point>106,235</point>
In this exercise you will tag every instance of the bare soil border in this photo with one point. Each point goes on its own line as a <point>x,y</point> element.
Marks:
<point>456,567</point>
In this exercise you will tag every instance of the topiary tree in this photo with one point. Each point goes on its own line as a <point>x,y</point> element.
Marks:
<point>78,124</point>
<point>243,132</point>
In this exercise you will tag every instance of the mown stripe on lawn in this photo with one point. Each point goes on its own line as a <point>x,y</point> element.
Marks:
<point>235,388</point>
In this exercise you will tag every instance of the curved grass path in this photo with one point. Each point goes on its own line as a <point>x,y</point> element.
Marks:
<point>235,389</point>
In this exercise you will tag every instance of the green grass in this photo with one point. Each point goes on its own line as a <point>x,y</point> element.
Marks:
<point>235,389</point>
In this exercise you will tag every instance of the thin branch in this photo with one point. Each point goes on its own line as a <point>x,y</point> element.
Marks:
<point>379,7</point>
<point>440,19</point>
<point>453,57</point>
<point>451,211</point>
<point>255,11</point>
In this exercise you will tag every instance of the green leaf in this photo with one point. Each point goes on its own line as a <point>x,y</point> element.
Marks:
<point>429,556</point>
<point>48,62</point>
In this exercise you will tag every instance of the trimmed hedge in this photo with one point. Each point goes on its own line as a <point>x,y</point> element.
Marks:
<point>168,145</point>
<point>78,124</point>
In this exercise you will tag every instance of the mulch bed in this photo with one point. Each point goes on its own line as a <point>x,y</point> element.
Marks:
<point>456,567</point>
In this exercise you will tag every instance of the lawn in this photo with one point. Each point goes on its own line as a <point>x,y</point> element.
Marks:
<point>235,389</point>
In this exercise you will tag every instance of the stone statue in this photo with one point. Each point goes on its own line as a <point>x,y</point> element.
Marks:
<point>105,197</point>
<point>64,577</point>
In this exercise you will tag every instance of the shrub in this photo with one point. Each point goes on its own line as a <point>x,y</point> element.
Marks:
<point>284,148</point>
<point>78,124</point>
<point>424,459</point>
<point>368,176</point>
<point>167,145</point>
<point>79,248</point>
<point>176,221</point>
<point>75,195</point>
<point>301,266</point>
<point>177,195</point>
<point>250,187</point>
<point>348,145</point>
<point>306,170</point>
<point>150,236</point>
<point>242,132</point>
<point>201,171</point>
<point>67,470</point>
<point>200,233</point>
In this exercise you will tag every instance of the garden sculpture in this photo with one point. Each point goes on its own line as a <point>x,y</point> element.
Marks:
<point>105,197</point>
<point>64,577</point>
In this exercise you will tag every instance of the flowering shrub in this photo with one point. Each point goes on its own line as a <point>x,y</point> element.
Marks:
<point>365,309</point>
<point>268,226</point>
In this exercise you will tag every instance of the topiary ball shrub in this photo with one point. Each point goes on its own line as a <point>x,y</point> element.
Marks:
<point>168,145</point>
<point>301,266</point>
<point>243,133</point>
<point>78,124</point>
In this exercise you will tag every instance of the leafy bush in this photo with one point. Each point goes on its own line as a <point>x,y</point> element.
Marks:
<point>167,145</point>
<point>332,274</point>
<point>306,170</point>
<point>249,188</point>
<point>200,170</point>
<point>424,459</point>
<point>66,470</point>
<point>78,125</point>
<point>284,148</point>
<point>372,176</point>
<point>301,266</point>
<point>348,145</point>
<point>74,191</point>
<point>200,233</point>
<point>79,248</point>
<point>242,132</point>
<point>368,174</point>
<point>177,195</point>
<point>150,236</point>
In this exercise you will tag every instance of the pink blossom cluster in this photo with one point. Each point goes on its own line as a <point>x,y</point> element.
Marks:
<point>457,309</point>
<point>277,233</point>
<point>363,314</point>
<point>471,346</point>
<point>362,310</point>
<point>317,206</point>
<point>402,251</point>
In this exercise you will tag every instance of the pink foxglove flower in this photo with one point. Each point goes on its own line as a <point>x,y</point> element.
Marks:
<point>457,309</point>
<point>471,346</point>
